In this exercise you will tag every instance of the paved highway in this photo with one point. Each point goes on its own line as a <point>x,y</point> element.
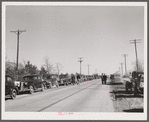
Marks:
<point>89,96</point>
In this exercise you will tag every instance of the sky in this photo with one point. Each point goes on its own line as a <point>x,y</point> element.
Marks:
<point>99,34</point>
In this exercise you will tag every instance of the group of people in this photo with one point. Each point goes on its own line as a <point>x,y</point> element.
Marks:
<point>75,79</point>
<point>104,79</point>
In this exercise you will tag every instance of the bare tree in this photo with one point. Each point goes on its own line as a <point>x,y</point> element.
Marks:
<point>24,62</point>
<point>140,66</point>
<point>47,65</point>
<point>58,67</point>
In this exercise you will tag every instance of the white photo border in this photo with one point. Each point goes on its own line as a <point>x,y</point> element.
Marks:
<point>76,115</point>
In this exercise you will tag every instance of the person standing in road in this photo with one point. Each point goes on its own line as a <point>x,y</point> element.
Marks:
<point>105,78</point>
<point>102,78</point>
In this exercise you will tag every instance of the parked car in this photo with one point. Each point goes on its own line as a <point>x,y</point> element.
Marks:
<point>10,88</point>
<point>51,80</point>
<point>136,83</point>
<point>31,83</point>
<point>112,78</point>
<point>90,77</point>
<point>64,79</point>
<point>85,78</point>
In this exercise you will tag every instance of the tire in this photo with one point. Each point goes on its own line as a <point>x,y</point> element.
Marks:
<point>31,89</point>
<point>126,87</point>
<point>135,90</point>
<point>66,84</point>
<point>42,87</point>
<point>50,86</point>
<point>57,86</point>
<point>13,94</point>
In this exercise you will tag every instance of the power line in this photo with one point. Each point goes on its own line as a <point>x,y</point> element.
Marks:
<point>134,42</point>
<point>18,32</point>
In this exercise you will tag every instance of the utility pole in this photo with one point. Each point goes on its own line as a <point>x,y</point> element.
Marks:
<point>119,70</point>
<point>95,70</point>
<point>88,69</point>
<point>18,32</point>
<point>122,67</point>
<point>80,64</point>
<point>134,42</point>
<point>125,63</point>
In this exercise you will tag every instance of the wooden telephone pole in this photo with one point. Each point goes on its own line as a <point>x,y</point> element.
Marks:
<point>18,32</point>
<point>134,42</point>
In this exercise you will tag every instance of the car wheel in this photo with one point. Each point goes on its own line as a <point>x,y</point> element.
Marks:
<point>13,94</point>
<point>48,87</point>
<point>42,87</point>
<point>31,89</point>
<point>126,87</point>
<point>45,86</point>
<point>135,90</point>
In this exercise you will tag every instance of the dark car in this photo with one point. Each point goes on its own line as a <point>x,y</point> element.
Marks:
<point>51,80</point>
<point>90,77</point>
<point>64,79</point>
<point>112,77</point>
<point>10,88</point>
<point>31,83</point>
<point>136,84</point>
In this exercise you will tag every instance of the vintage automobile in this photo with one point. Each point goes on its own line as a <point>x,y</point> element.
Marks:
<point>10,88</point>
<point>51,80</point>
<point>112,78</point>
<point>85,78</point>
<point>30,83</point>
<point>90,77</point>
<point>95,76</point>
<point>64,79</point>
<point>136,83</point>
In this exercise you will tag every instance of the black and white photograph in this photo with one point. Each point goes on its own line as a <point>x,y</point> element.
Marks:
<point>74,61</point>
